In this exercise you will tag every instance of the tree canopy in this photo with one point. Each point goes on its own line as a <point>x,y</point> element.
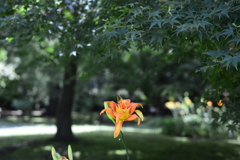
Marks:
<point>212,25</point>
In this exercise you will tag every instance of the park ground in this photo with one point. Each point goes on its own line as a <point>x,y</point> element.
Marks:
<point>22,140</point>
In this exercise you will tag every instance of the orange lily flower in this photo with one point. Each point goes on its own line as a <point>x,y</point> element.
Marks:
<point>122,111</point>
<point>219,103</point>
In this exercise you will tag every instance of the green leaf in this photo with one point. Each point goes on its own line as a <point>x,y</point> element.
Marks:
<point>131,4</point>
<point>232,127</point>
<point>70,155</point>
<point>3,24</point>
<point>154,22</point>
<point>235,40</point>
<point>228,60</point>
<point>111,34</point>
<point>223,13</point>
<point>10,39</point>
<point>205,23</point>
<point>154,14</point>
<point>136,11</point>
<point>215,54</point>
<point>216,35</point>
<point>159,38</point>
<point>154,37</point>
<point>122,42</point>
<point>204,68</point>
<point>228,32</point>
<point>200,35</point>
<point>109,116</point>
<point>234,60</point>
<point>171,21</point>
<point>140,115</point>
<point>55,155</point>
<point>135,34</point>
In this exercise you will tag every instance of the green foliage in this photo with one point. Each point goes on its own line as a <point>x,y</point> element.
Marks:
<point>195,128</point>
<point>232,60</point>
<point>30,74</point>
<point>144,76</point>
<point>57,156</point>
<point>157,23</point>
<point>57,30</point>
<point>71,23</point>
<point>195,120</point>
<point>211,27</point>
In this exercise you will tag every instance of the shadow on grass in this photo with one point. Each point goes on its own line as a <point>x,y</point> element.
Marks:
<point>102,146</point>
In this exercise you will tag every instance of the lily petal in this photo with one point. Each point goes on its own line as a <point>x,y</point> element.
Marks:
<point>111,113</point>
<point>139,120</point>
<point>132,117</point>
<point>117,129</point>
<point>124,103</point>
<point>102,111</point>
<point>132,107</point>
<point>118,117</point>
<point>112,105</point>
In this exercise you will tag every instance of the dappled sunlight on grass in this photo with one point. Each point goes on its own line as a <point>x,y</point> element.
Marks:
<point>47,147</point>
<point>16,126</point>
<point>77,154</point>
<point>122,152</point>
<point>181,139</point>
<point>27,130</point>
<point>51,129</point>
<point>118,152</point>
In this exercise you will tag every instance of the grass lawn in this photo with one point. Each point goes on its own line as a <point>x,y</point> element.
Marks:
<point>142,146</point>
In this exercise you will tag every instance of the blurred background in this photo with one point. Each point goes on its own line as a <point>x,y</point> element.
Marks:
<point>171,92</point>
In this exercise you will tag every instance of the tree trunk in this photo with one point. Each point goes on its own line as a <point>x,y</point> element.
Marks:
<point>51,109</point>
<point>63,118</point>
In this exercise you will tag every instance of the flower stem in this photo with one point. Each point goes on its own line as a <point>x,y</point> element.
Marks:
<point>122,139</point>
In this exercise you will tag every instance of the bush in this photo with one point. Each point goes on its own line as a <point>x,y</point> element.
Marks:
<point>195,128</point>
<point>195,122</point>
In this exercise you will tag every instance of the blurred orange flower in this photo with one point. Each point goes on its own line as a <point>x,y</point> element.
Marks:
<point>178,104</point>
<point>122,111</point>
<point>209,103</point>
<point>219,103</point>
<point>170,105</point>
<point>188,101</point>
<point>63,158</point>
